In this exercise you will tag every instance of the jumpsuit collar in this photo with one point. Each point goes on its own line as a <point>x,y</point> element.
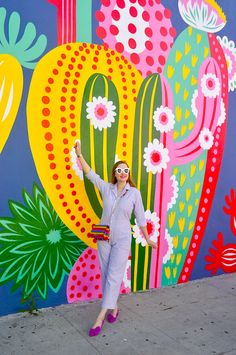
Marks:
<point>126,188</point>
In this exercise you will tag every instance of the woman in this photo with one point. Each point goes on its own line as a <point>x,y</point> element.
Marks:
<point>120,198</point>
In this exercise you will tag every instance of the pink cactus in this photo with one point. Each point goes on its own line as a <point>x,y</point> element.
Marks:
<point>142,31</point>
<point>84,282</point>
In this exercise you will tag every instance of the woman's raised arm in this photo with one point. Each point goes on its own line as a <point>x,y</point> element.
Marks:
<point>86,168</point>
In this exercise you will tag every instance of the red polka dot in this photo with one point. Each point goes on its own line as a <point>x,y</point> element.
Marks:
<point>100,16</point>
<point>46,112</point>
<point>148,31</point>
<point>148,72</point>
<point>132,43</point>
<point>172,31</point>
<point>48,89</point>
<point>161,59</point>
<point>45,99</point>
<point>55,71</point>
<point>101,32</point>
<point>49,147</point>
<point>115,15</point>
<point>142,2</point>
<point>45,123</point>
<point>159,70</point>
<point>120,4</point>
<point>89,251</point>
<point>158,15</point>
<point>133,11</point>
<point>50,80</point>
<point>119,47</point>
<point>105,2</point>
<point>98,276</point>
<point>145,16</point>
<point>163,45</point>
<point>96,287</point>
<point>84,274</point>
<point>132,28</point>
<point>149,45</point>
<point>51,156</point>
<point>114,30</point>
<point>48,136</point>
<point>135,58</point>
<point>79,295</point>
<point>89,294</point>
<point>100,295</point>
<point>92,266</point>
<point>163,31</point>
<point>167,13</point>
<point>149,60</point>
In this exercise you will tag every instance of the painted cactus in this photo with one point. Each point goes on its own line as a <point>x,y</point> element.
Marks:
<point>177,121</point>
<point>199,133</point>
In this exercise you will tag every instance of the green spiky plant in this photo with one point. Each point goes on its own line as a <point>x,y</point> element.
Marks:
<point>37,250</point>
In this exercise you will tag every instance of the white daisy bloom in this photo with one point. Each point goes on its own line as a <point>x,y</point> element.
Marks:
<point>229,49</point>
<point>153,227</point>
<point>206,139</point>
<point>127,274</point>
<point>222,117</point>
<point>169,252</point>
<point>155,157</point>
<point>175,192</point>
<point>210,85</point>
<point>194,103</point>
<point>164,119</point>
<point>101,112</point>
<point>76,166</point>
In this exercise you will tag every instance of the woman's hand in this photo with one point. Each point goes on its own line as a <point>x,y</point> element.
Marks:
<point>151,243</point>
<point>77,147</point>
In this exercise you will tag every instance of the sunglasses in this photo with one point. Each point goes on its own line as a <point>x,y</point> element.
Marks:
<point>120,171</point>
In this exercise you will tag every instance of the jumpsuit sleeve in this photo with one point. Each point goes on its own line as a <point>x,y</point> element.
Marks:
<point>96,180</point>
<point>139,210</point>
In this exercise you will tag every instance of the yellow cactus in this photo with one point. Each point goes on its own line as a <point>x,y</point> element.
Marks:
<point>11,85</point>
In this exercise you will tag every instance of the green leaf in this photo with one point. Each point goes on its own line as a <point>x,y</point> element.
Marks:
<point>14,27</point>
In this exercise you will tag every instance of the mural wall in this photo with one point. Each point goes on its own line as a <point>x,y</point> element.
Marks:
<point>151,82</point>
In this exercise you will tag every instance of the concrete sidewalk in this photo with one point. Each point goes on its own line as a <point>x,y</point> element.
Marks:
<point>194,318</point>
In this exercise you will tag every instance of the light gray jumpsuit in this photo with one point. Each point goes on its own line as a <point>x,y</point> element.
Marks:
<point>113,255</point>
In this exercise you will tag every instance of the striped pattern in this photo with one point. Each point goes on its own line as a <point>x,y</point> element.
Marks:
<point>149,98</point>
<point>99,147</point>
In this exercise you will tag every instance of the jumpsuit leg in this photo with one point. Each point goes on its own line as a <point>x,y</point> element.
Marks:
<point>115,272</point>
<point>104,249</point>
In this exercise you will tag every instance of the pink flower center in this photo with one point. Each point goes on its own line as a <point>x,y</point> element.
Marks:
<point>164,118</point>
<point>155,157</point>
<point>210,84</point>
<point>100,112</point>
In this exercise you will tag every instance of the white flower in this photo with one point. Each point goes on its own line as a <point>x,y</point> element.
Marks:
<point>164,119</point>
<point>229,49</point>
<point>222,116</point>
<point>101,112</point>
<point>152,228</point>
<point>210,85</point>
<point>175,191</point>
<point>194,103</point>
<point>76,166</point>
<point>206,138</point>
<point>169,247</point>
<point>127,274</point>
<point>156,157</point>
<point>202,15</point>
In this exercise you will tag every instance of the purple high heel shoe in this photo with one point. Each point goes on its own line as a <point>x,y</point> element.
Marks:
<point>111,318</point>
<point>93,332</point>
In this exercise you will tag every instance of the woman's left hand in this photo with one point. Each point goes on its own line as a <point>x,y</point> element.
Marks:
<point>151,243</point>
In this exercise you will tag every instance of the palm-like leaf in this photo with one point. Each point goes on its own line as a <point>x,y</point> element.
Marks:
<point>27,48</point>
